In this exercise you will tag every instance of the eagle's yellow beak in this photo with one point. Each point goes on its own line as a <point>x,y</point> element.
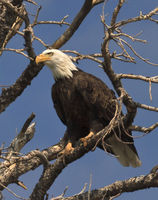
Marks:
<point>42,58</point>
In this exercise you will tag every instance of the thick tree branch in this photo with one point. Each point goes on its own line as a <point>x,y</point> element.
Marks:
<point>55,169</point>
<point>9,19</point>
<point>86,8</point>
<point>119,187</point>
<point>16,10</point>
<point>17,166</point>
<point>25,135</point>
<point>10,171</point>
<point>9,95</point>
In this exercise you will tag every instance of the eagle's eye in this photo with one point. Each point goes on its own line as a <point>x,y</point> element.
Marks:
<point>50,53</point>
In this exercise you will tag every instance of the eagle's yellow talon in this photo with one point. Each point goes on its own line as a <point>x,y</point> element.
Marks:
<point>68,149</point>
<point>84,139</point>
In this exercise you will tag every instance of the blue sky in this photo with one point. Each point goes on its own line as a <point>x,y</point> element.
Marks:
<point>36,98</point>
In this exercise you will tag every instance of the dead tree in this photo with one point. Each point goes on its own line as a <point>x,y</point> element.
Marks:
<point>13,14</point>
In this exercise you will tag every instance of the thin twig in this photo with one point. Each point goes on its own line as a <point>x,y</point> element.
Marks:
<point>90,186</point>
<point>52,22</point>
<point>146,107</point>
<point>133,38</point>
<point>150,94</point>
<point>135,19</point>
<point>62,195</point>
<point>139,56</point>
<point>153,79</point>
<point>31,1</point>
<point>143,129</point>
<point>39,40</point>
<point>116,11</point>
<point>83,190</point>
<point>18,51</point>
<point>13,193</point>
<point>81,56</point>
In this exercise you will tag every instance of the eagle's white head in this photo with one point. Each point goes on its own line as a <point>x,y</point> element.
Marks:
<point>59,63</point>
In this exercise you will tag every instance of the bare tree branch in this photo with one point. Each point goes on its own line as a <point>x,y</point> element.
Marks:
<point>53,22</point>
<point>107,65</point>
<point>81,56</point>
<point>153,79</point>
<point>116,11</point>
<point>61,162</point>
<point>16,164</point>
<point>25,135</point>
<point>119,187</point>
<point>18,51</point>
<point>86,8</point>
<point>20,165</point>
<point>16,10</point>
<point>9,95</point>
<point>146,107</point>
<point>135,19</point>
<point>9,19</point>
<point>144,129</point>
<point>13,193</point>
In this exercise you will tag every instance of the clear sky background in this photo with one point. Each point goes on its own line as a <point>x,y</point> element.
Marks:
<point>36,98</point>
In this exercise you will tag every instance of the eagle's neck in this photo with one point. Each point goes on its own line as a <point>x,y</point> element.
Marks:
<point>63,70</point>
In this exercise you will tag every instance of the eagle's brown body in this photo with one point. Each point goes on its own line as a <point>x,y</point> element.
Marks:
<point>84,103</point>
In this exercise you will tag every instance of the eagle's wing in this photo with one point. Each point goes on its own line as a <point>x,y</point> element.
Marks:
<point>96,95</point>
<point>57,104</point>
<point>100,99</point>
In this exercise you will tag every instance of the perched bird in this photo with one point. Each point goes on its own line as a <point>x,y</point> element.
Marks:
<point>86,105</point>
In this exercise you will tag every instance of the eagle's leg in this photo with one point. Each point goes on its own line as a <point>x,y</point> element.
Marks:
<point>84,139</point>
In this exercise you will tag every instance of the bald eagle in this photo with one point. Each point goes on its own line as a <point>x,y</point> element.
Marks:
<point>86,105</point>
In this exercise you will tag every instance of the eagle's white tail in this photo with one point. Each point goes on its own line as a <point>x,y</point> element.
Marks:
<point>123,153</point>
